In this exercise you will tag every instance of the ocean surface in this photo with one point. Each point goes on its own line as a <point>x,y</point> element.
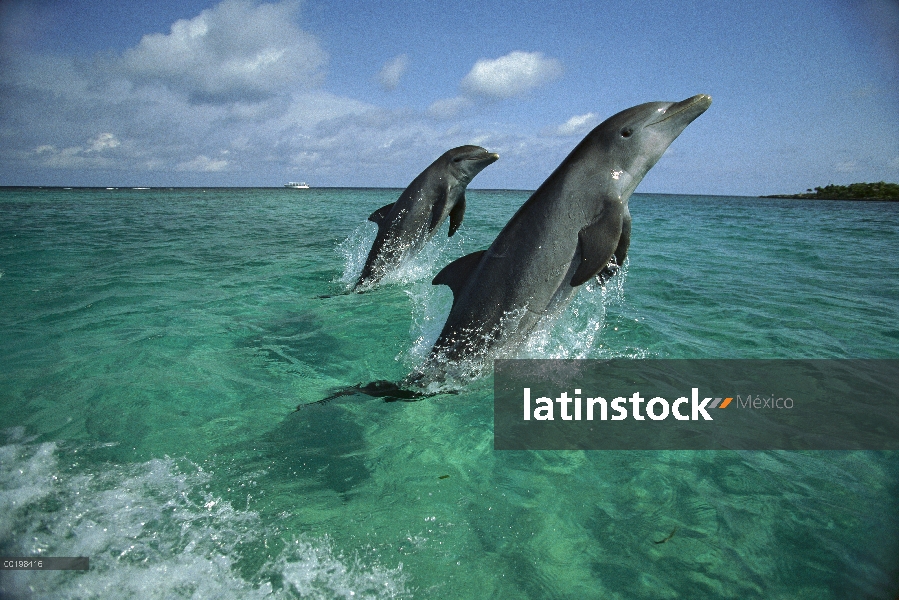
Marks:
<point>154,344</point>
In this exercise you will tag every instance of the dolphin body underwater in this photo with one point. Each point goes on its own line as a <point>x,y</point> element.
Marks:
<point>405,225</point>
<point>575,227</point>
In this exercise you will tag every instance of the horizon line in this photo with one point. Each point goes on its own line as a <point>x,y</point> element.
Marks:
<point>312,188</point>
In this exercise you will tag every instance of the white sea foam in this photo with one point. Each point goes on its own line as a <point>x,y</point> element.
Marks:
<point>428,261</point>
<point>424,264</point>
<point>430,306</point>
<point>152,530</point>
<point>354,251</point>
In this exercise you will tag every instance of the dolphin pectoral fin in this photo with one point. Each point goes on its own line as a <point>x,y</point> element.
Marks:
<point>597,243</point>
<point>437,210</point>
<point>379,215</point>
<point>457,272</point>
<point>624,241</point>
<point>617,260</point>
<point>456,215</point>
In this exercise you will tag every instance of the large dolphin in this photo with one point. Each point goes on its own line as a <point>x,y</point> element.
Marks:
<point>576,226</point>
<point>405,225</point>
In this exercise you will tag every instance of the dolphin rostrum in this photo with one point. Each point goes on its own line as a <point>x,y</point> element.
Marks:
<point>405,225</point>
<point>575,227</point>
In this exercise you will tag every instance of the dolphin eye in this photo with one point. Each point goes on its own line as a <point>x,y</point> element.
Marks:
<point>626,132</point>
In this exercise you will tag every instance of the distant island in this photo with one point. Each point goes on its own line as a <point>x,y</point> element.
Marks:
<point>853,191</point>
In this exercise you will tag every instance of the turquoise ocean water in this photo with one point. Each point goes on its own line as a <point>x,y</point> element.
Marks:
<point>155,343</point>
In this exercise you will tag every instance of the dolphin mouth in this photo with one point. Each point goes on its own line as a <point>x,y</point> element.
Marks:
<point>487,158</point>
<point>689,108</point>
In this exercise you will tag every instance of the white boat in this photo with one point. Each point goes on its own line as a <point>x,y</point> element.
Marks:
<point>301,185</point>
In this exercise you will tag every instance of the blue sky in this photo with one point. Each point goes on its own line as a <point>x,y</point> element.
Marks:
<point>337,93</point>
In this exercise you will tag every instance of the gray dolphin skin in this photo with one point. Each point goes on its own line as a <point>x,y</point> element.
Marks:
<point>575,227</point>
<point>405,225</point>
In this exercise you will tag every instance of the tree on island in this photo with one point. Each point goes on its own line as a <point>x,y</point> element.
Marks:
<point>853,191</point>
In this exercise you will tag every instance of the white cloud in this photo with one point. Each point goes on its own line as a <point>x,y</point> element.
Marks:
<point>203,164</point>
<point>577,125</point>
<point>103,142</point>
<point>390,74</point>
<point>74,157</point>
<point>67,158</point>
<point>448,108</point>
<point>78,157</point>
<point>511,75</point>
<point>235,50</point>
<point>176,106</point>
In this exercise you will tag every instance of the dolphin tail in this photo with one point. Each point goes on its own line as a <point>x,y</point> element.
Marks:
<point>343,293</point>
<point>391,392</point>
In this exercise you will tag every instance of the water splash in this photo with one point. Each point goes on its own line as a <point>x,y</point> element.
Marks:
<point>423,264</point>
<point>154,530</point>
<point>575,331</point>
<point>431,305</point>
<point>354,251</point>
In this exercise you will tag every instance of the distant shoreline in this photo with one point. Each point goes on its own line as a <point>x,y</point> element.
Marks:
<point>877,192</point>
<point>816,197</point>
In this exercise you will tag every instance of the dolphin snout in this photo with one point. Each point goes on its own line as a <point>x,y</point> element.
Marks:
<point>688,109</point>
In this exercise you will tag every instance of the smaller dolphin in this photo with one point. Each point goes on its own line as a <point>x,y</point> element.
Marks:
<point>405,225</point>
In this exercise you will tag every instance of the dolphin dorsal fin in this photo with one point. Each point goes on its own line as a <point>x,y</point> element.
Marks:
<point>380,214</point>
<point>598,242</point>
<point>456,215</point>
<point>457,272</point>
